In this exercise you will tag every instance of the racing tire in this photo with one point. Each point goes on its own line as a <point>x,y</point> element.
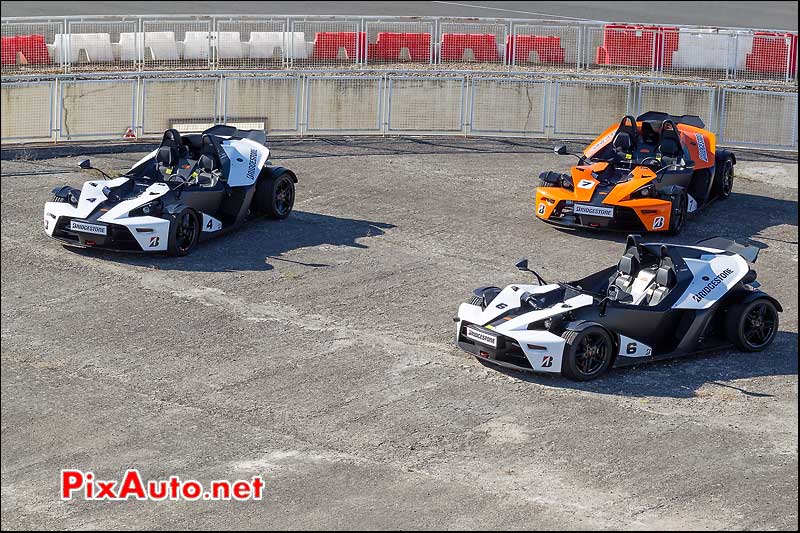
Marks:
<point>274,196</point>
<point>752,326</point>
<point>723,178</point>
<point>678,214</point>
<point>587,353</point>
<point>184,232</point>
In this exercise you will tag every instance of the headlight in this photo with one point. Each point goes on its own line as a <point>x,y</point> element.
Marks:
<point>152,209</point>
<point>566,182</point>
<point>648,191</point>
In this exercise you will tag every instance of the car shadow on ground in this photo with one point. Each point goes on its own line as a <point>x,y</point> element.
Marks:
<point>722,218</point>
<point>258,244</point>
<point>683,377</point>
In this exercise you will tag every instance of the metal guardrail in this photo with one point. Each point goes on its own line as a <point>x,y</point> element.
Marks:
<point>237,42</point>
<point>368,102</point>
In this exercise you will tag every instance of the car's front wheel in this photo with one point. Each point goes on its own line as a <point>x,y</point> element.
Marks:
<point>184,232</point>
<point>587,353</point>
<point>275,195</point>
<point>752,326</point>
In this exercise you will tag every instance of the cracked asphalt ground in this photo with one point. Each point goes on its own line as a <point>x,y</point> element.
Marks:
<point>318,353</point>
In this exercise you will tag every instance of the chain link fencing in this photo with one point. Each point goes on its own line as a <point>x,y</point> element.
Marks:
<point>236,42</point>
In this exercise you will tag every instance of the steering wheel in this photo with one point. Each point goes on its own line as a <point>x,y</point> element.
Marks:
<point>651,162</point>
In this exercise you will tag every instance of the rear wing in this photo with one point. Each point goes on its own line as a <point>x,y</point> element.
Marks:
<point>750,253</point>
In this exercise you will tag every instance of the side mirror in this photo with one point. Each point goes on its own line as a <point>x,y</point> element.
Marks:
<point>85,164</point>
<point>561,150</point>
<point>522,264</point>
<point>203,179</point>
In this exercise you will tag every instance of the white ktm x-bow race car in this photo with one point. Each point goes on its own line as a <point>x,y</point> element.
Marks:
<point>661,301</point>
<point>190,188</point>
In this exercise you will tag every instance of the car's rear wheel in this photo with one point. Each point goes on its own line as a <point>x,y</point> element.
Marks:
<point>752,326</point>
<point>587,353</point>
<point>723,177</point>
<point>275,196</point>
<point>184,232</point>
<point>680,210</point>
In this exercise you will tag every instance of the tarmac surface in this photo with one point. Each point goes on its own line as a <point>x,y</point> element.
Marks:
<point>778,15</point>
<point>318,352</point>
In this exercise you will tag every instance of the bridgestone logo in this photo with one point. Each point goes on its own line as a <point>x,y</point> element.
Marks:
<point>701,147</point>
<point>714,283</point>
<point>491,340</point>
<point>251,169</point>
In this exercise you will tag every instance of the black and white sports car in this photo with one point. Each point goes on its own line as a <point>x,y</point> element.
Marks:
<point>191,187</point>
<point>661,301</point>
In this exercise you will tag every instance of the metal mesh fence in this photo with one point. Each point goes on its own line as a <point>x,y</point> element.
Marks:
<point>424,104</point>
<point>187,104</point>
<point>472,42</point>
<point>97,45</point>
<point>621,49</point>
<point>758,118</point>
<point>677,100</point>
<point>588,107</point>
<point>174,44</point>
<point>544,47</point>
<point>399,42</point>
<point>504,105</point>
<point>29,47</point>
<point>273,102</point>
<point>765,56</point>
<point>326,42</point>
<point>252,44</point>
<point>702,54</point>
<point>79,117</point>
<point>27,111</point>
<point>343,104</point>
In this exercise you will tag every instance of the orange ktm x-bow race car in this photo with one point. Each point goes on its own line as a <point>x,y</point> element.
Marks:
<point>645,174</point>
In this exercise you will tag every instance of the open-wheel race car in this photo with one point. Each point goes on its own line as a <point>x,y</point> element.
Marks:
<point>661,301</point>
<point>644,174</point>
<point>191,187</point>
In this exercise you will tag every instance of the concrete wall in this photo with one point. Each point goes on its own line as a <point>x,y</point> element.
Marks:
<point>81,117</point>
<point>170,101</point>
<point>508,106</point>
<point>426,104</point>
<point>95,108</point>
<point>343,104</point>
<point>759,118</point>
<point>26,110</point>
<point>274,101</point>
<point>588,108</point>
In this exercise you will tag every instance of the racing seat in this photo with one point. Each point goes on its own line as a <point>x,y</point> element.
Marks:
<point>169,153</point>
<point>165,162</point>
<point>622,281</point>
<point>670,147</point>
<point>666,279</point>
<point>209,164</point>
